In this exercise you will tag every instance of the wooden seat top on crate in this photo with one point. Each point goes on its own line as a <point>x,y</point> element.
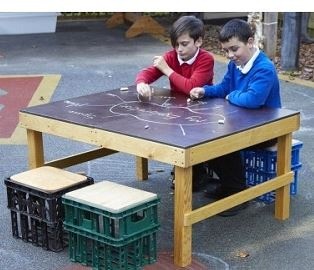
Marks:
<point>48,179</point>
<point>111,197</point>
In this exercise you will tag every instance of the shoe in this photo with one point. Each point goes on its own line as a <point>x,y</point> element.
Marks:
<point>195,187</point>
<point>234,210</point>
<point>199,181</point>
<point>171,178</point>
<point>215,191</point>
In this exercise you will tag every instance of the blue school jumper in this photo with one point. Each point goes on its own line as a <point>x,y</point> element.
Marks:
<point>258,88</point>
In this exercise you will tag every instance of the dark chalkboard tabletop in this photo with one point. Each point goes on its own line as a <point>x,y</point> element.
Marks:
<point>168,118</point>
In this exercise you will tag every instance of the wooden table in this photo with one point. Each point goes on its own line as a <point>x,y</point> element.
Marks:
<point>172,130</point>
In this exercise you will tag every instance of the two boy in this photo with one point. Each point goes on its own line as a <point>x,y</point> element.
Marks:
<point>251,81</point>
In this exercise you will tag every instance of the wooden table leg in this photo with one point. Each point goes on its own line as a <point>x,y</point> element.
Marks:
<point>35,149</point>
<point>182,205</point>
<point>141,168</point>
<point>282,203</point>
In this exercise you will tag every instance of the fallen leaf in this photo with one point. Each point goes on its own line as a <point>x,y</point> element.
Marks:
<point>242,254</point>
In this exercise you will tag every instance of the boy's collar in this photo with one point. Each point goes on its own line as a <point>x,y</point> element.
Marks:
<point>249,64</point>
<point>189,62</point>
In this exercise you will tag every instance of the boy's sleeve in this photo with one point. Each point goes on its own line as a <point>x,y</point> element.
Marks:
<point>202,74</point>
<point>148,75</point>
<point>257,92</point>
<point>220,90</point>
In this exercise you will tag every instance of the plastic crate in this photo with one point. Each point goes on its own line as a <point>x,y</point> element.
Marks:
<point>36,206</point>
<point>265,160</point>
<point>261,165</point>
<point>254,177</point>
<point>110,213</point>
<point>48,236</point>
<point>132,256</point>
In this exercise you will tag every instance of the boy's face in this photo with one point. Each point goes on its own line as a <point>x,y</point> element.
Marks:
<point>238,51</point>
<point>186,47</point>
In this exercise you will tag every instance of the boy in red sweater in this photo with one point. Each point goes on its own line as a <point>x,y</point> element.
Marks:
<point>187,65</point>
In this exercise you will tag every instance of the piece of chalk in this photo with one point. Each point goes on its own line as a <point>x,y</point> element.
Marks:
<point>147,126</point>
<point>221,121</point>
<point>124,88</point>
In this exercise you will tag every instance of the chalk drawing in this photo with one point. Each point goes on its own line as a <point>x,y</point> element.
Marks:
<point>74,104</point>
<point>151,112</point>
<point>85,115</point>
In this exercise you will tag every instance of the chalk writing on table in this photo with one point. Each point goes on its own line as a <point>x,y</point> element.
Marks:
<point>165,113</point>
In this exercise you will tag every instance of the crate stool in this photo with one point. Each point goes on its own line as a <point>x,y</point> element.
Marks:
<point>261,165</point>
<point>111,226</point>
<point>34,199</point>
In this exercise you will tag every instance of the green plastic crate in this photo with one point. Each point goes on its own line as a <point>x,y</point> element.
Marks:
<point>112,227</point>
<point>132,256</point>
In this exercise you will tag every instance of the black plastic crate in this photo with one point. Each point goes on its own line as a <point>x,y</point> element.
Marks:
<point>49,236</point>
<point>37,215</point>
<point>38,204</point>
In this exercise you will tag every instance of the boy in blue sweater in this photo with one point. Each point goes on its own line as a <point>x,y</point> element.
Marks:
<point>251,81</point>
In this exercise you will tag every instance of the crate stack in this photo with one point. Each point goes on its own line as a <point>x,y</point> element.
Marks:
<point>111,226</point>
<point>261,165</point>
<point>35,202</point>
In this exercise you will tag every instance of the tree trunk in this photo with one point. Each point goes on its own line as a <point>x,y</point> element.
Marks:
<point>255,20</point>
<point>290,41</point>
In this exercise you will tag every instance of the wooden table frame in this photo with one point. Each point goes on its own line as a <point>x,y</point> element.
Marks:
<point>182,159</point>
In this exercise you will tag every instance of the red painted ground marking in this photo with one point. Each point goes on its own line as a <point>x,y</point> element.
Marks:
<point>19,93</point>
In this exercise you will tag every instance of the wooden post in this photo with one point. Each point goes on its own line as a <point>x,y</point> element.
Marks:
<point>141,168</point>
<point>35,149</point>
<point>270,26</point>
<point>290,41</point>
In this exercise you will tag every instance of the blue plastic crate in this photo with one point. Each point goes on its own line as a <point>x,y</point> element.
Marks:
<point>265,160</point>
<point>261,165</point>
<point>254,177</point>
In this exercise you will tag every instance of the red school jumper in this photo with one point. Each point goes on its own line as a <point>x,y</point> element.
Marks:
<point>185,76</point>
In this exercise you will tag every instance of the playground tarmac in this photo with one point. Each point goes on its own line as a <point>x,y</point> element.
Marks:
<point>91,58</point>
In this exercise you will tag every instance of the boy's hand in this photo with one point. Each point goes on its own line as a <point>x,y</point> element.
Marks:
<point>144,90</point>
<point>160,63</point>
<point>197,92</point>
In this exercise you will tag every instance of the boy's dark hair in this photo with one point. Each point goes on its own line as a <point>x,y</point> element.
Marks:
<point>236,28</point>
<point>186,24</point>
